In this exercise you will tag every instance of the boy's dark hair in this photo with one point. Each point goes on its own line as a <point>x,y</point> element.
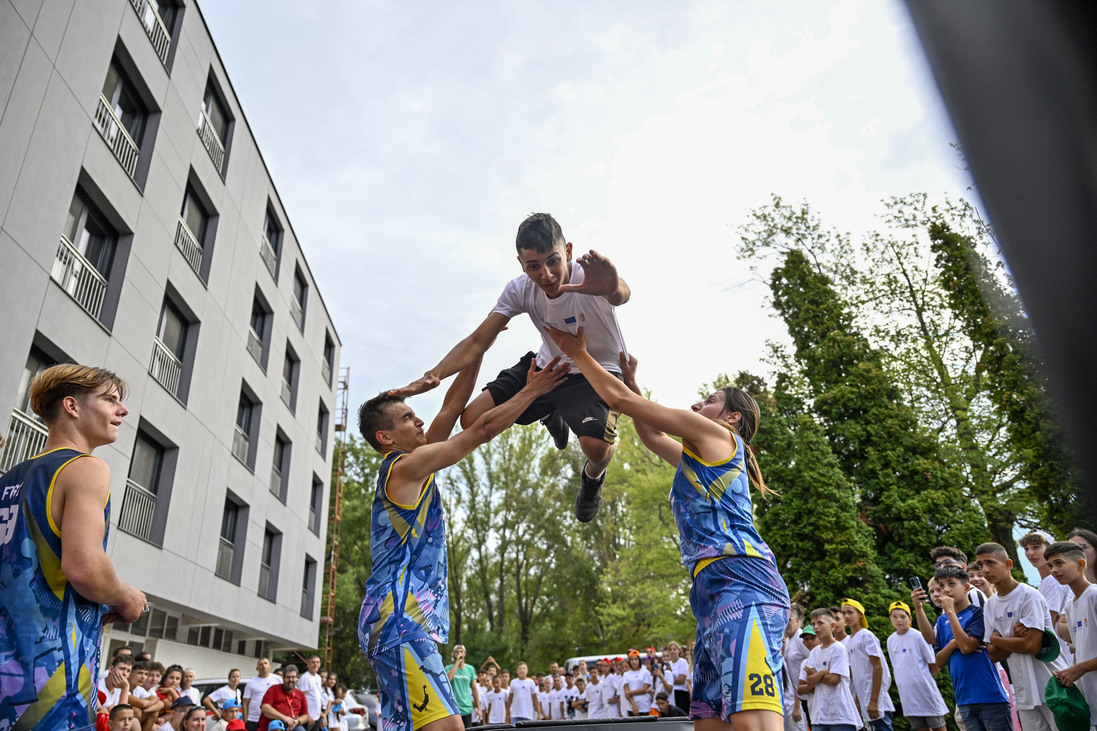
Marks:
<point>994,549</point>
<point>123,659</point>
<point>156,667</point>
<point>948,552</point>
<point>540,232</point>
<point>1035,538</point>
<point>373,416</point>
<point>117,710</point>
<point>140,665</point>
<point>1070,549</point>
<point>822,612</point>
<point>952,571</point>
<point>662,696</point>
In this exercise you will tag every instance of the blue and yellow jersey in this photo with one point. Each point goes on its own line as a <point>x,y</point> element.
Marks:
<point>49,634</point>
<point>406,593</point>
<point>711,504</point>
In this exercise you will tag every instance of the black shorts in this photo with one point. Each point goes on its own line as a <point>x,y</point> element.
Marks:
<point>586,414</point>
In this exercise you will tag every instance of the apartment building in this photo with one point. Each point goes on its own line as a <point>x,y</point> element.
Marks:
<point>140,230</point>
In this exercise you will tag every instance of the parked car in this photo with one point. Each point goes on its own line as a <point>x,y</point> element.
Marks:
<point>363,710</point>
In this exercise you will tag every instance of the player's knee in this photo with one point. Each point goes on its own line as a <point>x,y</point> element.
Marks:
<point>596,450</point>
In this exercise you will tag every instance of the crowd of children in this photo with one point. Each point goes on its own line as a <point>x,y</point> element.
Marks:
<point>1019,658</point>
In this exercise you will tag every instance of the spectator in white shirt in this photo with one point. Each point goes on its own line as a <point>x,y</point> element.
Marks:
<point>253,693</point>
<point>311,685</point>
<point>522,702</point>
<point>579,699</point>
<point>187,688</point>
<point>217,698</point>
<point>496,701</point>
<point>636,692</point>
<point>596,707</point>
<point>114,689</point>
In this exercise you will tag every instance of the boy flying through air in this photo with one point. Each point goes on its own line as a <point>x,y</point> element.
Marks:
<point>555,291</point>
<point>406,609</point>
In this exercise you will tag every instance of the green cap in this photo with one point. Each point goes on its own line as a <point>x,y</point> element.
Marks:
<point>809,630</point>
<point>1068,706</point>
<point>1049,647</point>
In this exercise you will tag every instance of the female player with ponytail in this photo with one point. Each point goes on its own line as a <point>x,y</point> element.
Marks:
<point>738,596</point>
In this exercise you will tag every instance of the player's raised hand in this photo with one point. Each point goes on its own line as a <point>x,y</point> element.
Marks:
<point>544,380</point>
<point>419,385</point>
<point>599,276</point>
<point>572,345</point>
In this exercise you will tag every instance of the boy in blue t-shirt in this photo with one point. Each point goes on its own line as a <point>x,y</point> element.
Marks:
<point>979,694</point>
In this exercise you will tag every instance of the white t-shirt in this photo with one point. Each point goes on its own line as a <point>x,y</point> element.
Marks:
<point>911,657</point>
<point>195,695</point>
<point>678,667</point>
<point>609,696</point>
<point>1058,597</point>
<point>496,701</point>
<point>569,696</point>
<point>596,707</point>
<point>794,652</point>
<point>112,695</point>
<point>569,312</point>
<point>831,704</point>
<point>861,647</point>
<point>256,689</point>
<point>521,698</point>
<point>635,680</point>
<point>1082,621</point>
<point>544,698</point>
<point>334,720</point>
<point>309,684</point>
<point>580,695</point>
<point>1025,605</point>
<point>222,694</point>
<point>140,692</point>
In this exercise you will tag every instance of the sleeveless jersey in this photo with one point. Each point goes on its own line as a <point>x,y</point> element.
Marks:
<point>407,595</point>
<point>712,507</point>
<point>49,634</point>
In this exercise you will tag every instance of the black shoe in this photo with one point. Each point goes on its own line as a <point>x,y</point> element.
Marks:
<point>589,498</point>
<point>558,428</point>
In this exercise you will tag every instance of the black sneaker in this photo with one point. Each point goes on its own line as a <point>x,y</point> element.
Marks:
<point>589,498</point>
<point>558,428</point>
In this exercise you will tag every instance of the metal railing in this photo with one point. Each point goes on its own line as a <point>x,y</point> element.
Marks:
<point>255,345</point>
<point>240,444</point>
<point>214,146</point>
<point>79,278</point>
<point>225,553</point>
<point>116,136</point>
<point>297,312</point>
<point>264,581</point>
<point>188,246</point>
<point>24,438</point>
<point>325,372</point>
<point>276,480</point>
<point>138,509</point>
<point>314,519</point>
<point>165,366</point>
<point>154,26</point>
<point>266,251</point>
<point>287,393</point>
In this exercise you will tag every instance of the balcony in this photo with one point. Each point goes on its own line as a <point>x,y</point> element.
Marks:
<point>240,444</point>
<point>297,313</point>
<point>306,604</point>
<point>188,246</point>
<point>79,278</point>
<point>165,367</point>
<point>116,136</point>
<point>276,481</point>
<point>211,140</point>
<point>325,372</point>
<point>138,509</point>
<point>264,581</point>
<point>266,251</point>
<point>154,26</point>
<point>25,438</point>
<point>287,394</point>
<point>255,346</point>
<point>320,443</point>
<point>225,554</point>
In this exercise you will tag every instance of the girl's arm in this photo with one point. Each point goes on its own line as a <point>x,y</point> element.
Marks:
<point>656,441</point>
<point>710,439</point>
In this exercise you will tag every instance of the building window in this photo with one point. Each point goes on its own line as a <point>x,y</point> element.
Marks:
<point>329,359</point>
<point>268,564</point>
<point>158,18</point>
<point>299,299</point>
<point>259,331</point>
<point>169,348</point>
<point>244,435</point>
<point>26,434</point>
<point>155,623</point>
<point>215,638</point>
<point>308,588</point>
<point>230,550</point>
<point>142,487</point>
<point>279,471</point>
<point>270,242</point>
<point>190,232</point>
<point>316,505</point>
<point>84,256</point>
<point>322,430</point>
<point>213,126</point>
<point>120,118</point>
<point>291,369</point>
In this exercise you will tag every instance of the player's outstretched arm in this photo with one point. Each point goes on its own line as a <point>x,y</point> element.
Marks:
<point>457,397</point>
<point>710,439</point>
<point>658,442</point>
<point>460,357</point>
<point>409,472</point>
<point>600,278</point>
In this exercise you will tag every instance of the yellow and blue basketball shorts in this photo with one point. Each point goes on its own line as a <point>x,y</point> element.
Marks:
<point>413,684</point>
<point>742,607</point>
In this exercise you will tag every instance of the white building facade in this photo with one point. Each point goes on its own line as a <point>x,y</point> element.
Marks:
<point>140,231</point>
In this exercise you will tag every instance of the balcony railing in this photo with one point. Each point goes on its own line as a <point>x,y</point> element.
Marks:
<point>154,26</point>
<point>116,136</point>
<point>296,312</point>
<point>79,278</point>
<point>240,444</point>
<point>25,438</point>
<point>138,508</point>
<point>255,345</point>
<point>264,581</point>
<point>325,372</point>
<point>287,393</point>
<point>266,251</point>
<point>320,443</point>
<point>188,245</point>
<point>165,367</point>
<point>306,604</point>
<point>276,480</point>
<point>225,553</point>
<point>314,519</point>
<point>211,140</point>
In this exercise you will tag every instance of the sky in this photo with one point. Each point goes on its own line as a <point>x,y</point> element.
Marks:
<point>409,140</point>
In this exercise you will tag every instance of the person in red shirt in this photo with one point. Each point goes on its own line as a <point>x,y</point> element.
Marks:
<point>285,703</point>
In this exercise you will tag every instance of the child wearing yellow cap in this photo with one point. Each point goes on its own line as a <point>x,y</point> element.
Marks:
<point>871,677</point>
<point>915,665</point>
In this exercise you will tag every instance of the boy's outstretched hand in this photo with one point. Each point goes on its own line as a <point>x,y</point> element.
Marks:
<point>572,345</point>
<point>419,385</point>
<point>599,276</point>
